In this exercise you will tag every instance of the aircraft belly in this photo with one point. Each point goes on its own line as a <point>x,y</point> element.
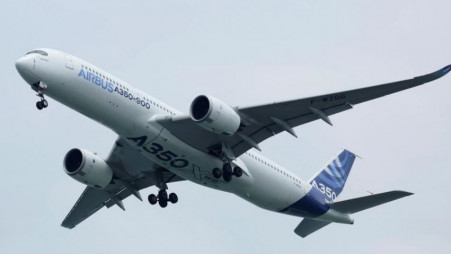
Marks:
<point>187,162</point>
<point>270,190</point>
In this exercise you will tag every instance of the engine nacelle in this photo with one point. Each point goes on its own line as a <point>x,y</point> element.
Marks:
<point>87,168</point>
<point>214,115</point>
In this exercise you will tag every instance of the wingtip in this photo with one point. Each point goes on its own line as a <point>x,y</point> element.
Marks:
<point>404,193</point>
<point>445,69</point>
<point>64,225</point>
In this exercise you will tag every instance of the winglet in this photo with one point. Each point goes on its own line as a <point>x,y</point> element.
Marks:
<point>445,69</point>
<point>438,74</point>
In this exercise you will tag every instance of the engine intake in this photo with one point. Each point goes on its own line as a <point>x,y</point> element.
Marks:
<point>87,168</point>
<point>214,115</point>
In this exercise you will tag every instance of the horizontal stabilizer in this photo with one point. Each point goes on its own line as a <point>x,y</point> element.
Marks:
<point>362,203</point>
<point>308,226</point>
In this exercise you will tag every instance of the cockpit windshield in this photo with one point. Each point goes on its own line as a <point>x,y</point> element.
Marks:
<point>40,52</point>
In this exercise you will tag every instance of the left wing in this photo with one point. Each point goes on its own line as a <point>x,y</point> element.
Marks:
<point>261,122</point>
<point>128,166</point>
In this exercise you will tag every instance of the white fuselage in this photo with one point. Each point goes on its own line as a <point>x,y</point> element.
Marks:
<point>131,114</point>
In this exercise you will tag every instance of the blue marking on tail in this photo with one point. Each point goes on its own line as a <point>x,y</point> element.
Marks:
<point>327,184</point>
<point>311,205</point>
<point>332,179</point>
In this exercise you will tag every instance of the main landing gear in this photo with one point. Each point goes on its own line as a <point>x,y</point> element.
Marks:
<point>163,198</point>
<point>227,172</point>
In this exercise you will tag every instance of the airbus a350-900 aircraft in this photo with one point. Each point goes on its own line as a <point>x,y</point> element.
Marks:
<point>214,145</point>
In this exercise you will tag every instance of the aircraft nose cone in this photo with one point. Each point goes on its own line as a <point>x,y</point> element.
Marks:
<point>25,67</point>
<point>21,64</point>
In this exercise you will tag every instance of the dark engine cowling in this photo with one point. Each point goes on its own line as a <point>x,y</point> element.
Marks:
<point>214,115</point>
<point>87,168</point>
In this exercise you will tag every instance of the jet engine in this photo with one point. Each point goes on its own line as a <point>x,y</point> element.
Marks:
<point>86,167</point>
<point>214,115</point>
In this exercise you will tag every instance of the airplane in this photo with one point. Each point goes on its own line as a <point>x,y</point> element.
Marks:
<point>214,145</point>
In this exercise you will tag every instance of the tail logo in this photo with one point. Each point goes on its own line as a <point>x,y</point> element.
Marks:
<point>331,180</point>
<point>330,194</point>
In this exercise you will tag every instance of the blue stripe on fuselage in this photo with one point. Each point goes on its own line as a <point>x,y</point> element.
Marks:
<point>311,205</point>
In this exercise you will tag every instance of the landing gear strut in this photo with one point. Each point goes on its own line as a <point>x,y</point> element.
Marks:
<point>227,172</point>
<point>162,198</point>
<point>40,88</point>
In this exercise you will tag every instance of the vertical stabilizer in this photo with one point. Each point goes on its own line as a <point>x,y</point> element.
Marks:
<point>331,179</point>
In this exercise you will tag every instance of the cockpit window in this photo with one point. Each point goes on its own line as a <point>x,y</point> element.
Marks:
<point>40,52</point>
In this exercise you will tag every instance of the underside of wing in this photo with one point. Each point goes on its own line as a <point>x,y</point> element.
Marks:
<point>261,122</point>
<point>129,179</point>
<point>90,201</point>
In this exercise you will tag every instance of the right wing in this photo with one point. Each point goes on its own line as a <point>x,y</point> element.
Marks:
<point>128,166</point>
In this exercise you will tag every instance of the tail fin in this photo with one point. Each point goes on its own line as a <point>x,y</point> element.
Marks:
<point>331,179</point>
<point>359,204</point>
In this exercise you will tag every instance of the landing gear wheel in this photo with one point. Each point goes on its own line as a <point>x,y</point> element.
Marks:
<point>162,194</point>
<point>227,169</point>
<point>173,198</point>
<point>237,171</point>
<point>39,105</point>
<point>152,199</point>
<point>163,202</point>
<point>44,103</point>
<point>227,172</point>
<point>163,198</point>
<point>217,173</point>
<point>227,177</point>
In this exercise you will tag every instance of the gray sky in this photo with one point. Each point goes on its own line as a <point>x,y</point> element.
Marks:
<point>246,53</point>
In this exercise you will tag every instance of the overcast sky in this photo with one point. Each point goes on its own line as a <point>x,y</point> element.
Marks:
<point>246,53</point>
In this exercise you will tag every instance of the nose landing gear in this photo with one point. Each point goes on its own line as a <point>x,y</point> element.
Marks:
<point>42,103</point>
<point>40,88</point>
